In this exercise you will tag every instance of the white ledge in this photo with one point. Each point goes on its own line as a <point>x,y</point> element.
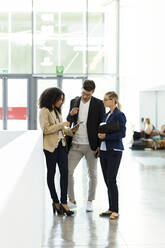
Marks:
<point>21,189</point>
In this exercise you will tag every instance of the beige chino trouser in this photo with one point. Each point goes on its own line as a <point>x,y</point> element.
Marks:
<point>76,152</point>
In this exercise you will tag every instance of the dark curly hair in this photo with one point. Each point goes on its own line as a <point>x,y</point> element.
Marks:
<point>51,96</point>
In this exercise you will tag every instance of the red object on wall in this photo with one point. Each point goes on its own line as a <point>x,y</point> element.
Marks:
<point>15,113</point>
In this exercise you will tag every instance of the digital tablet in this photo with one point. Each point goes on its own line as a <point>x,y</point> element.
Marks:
<point>78,123</point>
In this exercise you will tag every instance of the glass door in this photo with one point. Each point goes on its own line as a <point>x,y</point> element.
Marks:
<point>13,103</point>
<point>1,104</point>
<point>17,104</point>
<point>71,88</point>
<point>42,85</point>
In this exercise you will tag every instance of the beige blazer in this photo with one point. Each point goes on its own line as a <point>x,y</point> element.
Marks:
<point>50,126</point>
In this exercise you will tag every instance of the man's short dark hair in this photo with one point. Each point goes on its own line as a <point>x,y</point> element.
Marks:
<point>89,85</point>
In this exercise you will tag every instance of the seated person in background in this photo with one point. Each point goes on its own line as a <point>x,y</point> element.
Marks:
<point>162,132</point>
<point>142,124</point>
<point>148,127</point>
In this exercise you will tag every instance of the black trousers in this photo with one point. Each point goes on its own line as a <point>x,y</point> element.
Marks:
<point>110,161</point>
<point>60,157</point>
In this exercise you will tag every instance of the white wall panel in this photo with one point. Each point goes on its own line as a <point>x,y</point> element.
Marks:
<point>148,106</point>
<point>152,106</point>
<point>161,108</point>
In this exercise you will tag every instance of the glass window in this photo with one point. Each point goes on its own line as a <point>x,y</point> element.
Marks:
<point>73,42</point>
<point>45,42</point>
<point>4,58</point>
<point>72,56</point>
<point>16,36</point>
<point>4,22</point>
<point>21,22</point>
<point>16,5</point>
<point>72,24</point>
<point>46,22</point>
<point>17,104</point>
<point>0,103</point>
<point>20,43</point>
<point>20,56</point>
<point>45,55</point>
<point>102,37</point>
<point>64,44</point>
<point>95,42</point>
<point>64,35</point>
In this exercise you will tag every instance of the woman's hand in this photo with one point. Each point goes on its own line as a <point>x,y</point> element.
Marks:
<point>66,124</point>
<point>101,135</point>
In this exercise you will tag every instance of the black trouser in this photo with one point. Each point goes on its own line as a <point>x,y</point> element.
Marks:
<point>110,161</point>
<point>60,157</point>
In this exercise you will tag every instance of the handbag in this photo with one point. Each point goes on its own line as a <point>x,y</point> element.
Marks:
<point>112,127</point>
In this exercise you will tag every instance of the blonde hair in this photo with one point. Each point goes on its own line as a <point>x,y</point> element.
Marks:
<point>112,94</point>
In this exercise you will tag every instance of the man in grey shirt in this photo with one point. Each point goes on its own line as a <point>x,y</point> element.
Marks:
<point>89,111</point>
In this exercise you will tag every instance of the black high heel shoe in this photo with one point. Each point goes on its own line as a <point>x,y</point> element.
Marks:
<point>55,209</point>
<point>67,212</point>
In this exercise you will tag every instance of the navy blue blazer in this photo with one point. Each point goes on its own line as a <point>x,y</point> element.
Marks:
<point>114,140</point>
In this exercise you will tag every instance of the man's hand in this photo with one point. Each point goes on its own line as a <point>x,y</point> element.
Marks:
<point>97,154</point>
<point>74,111</point>
<point>101,135</point>
<point>74,129</point>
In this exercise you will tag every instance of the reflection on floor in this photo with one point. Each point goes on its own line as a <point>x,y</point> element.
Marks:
<point>141,183</point>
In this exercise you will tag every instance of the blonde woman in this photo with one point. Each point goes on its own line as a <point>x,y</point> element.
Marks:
<point>54,145</point>
<point>148,127</point>
<point>111,152</point>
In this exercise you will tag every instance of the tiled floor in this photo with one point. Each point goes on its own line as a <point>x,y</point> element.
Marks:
<point>141,223</point>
